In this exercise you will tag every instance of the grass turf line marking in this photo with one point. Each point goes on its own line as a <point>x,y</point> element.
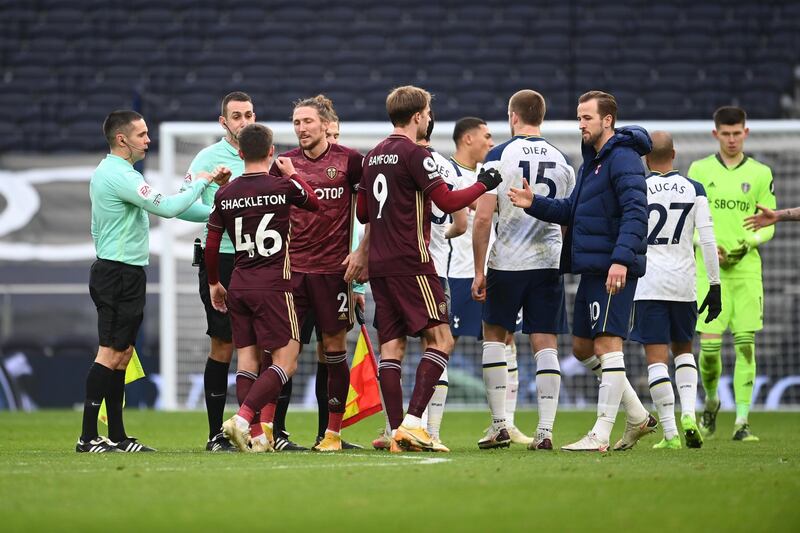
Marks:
<point>392,462</point>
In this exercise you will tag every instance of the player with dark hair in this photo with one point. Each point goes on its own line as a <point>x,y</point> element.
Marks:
<point>400,179</point>
<point>236,112</point>
<point>121,201</point>
<point>254,211</point>
<point>473,141</point>
<point>666,306</point>
<point>735,184</point>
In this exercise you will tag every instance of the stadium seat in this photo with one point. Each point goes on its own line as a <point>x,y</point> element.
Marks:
<point>690,47</point>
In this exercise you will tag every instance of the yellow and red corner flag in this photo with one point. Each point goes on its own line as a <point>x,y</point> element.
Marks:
<point>364,396</point>
<point>133,372</point>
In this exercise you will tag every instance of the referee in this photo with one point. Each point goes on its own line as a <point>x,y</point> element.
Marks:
<point>121,200</point>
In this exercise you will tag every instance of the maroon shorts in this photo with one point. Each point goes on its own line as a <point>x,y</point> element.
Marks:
<point>262,317</point>
<point>326,299</point>
<point>405,305</point>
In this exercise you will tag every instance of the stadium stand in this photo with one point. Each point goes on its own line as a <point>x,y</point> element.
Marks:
<point>67,65</point>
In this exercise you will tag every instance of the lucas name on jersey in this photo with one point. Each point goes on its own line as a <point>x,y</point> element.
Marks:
<point>253,201</point>
<point>655,188</point>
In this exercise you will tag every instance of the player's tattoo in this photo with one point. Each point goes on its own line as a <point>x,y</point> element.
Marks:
<point>789,214</point>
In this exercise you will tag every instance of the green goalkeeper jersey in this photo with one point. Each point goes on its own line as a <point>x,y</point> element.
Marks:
<point>732,196</point>
<point>206,160</point>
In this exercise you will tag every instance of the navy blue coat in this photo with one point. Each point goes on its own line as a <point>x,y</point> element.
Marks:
<point>606,213</point>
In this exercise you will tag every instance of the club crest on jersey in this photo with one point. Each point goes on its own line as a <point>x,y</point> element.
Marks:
<point>331,172</point>
<point>442,308</point>
<point>144,191</point>
<point>745,187</point>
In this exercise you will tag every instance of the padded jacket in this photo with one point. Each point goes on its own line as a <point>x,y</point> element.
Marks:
<point>606,214</point>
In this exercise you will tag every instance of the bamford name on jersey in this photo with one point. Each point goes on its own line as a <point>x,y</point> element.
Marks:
<point>253,201</point>
<point>383,159</point>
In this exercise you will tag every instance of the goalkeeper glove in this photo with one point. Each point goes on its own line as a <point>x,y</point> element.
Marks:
<point>490,178</point>
<point>745,245</point>
<point>713,301</point>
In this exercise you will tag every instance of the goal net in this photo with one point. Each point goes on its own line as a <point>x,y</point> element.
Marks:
<point>184,345</point>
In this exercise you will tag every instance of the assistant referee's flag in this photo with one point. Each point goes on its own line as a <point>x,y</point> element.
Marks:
<point>364,397</point>
<point>132,373</point>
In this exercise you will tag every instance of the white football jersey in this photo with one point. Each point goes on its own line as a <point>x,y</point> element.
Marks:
<point>439,246</point>
<point>675,206</point>
<point>524,242</point>
<point>461,258</point>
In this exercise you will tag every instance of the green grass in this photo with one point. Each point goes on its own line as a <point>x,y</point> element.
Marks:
<point>725,486</point>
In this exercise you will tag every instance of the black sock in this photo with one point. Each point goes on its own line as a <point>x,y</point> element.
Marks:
<point>279,423</point>
<point>322,398</point>
<point>97,382</point>
<point>114,398</point>
<point>215,381</point>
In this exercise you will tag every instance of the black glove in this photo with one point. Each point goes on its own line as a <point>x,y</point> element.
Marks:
<point>736,254</point>
<point>713,301</point>
<point>490,178</point>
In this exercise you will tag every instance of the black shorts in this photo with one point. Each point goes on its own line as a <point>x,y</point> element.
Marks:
<point>118,292</point>
<point>218,324</point>
<point>309,329</point>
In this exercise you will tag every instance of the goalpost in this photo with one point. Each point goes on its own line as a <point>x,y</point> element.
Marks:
<point>184,345</point>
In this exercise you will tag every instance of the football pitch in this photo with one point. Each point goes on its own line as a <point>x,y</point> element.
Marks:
<point>725,486</point>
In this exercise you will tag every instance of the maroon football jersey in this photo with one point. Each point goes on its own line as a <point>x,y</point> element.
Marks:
<point>320,241</point>
<point>398,174</point>
<point>254,210</point>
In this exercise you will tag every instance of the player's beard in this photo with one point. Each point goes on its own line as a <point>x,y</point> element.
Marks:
<point>592,139</point>
<point>311,143</point>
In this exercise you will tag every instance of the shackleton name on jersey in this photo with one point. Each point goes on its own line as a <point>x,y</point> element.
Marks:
<point>524,242</point>
<point>253,201</point>
<point>676,206</point>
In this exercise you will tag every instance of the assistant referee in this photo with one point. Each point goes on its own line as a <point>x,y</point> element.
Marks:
<point>121,200</point>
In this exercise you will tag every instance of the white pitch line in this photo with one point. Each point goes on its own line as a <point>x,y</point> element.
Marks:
<point>398,461</point>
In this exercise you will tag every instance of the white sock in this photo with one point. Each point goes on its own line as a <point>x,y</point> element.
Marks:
<point>686,381</point>
<point>495,375</point>
<point>548,385</point>
<point>435,408</point>
<point>412,422</point>
<point>663,397</point>
<point>612,384</point>
<point>634,409</point>
<point>593,365</point>
<point>512,387</point>
<point>424,417</point>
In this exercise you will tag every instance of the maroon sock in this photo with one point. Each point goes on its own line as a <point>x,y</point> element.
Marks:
<point>392,391</point>
<point>244,382</point>
<point>338,386</point>
<point>266,360</point>
<point>429,371</point>
<point>266,388</point>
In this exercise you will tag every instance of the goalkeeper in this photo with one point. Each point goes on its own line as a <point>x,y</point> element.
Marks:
<point>734,183</point>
